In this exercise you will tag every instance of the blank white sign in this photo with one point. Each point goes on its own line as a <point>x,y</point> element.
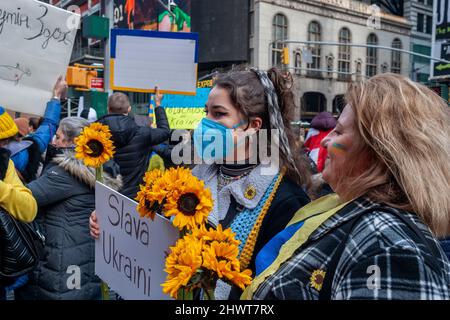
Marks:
<point>142,62</point>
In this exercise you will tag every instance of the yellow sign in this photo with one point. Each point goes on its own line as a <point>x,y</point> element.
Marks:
<point>184,118</point>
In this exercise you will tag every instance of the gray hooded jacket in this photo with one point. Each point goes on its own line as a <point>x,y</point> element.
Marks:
<point>65,196</point>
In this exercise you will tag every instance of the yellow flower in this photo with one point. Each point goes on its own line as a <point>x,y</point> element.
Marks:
<point>151,177</point>
<point>189,202</point>
<point>182,264</point>
<point>94,145</point>
<point>221,258</point>
<point>146,204</point>
<point>218,234</point>
<point>317,279</point>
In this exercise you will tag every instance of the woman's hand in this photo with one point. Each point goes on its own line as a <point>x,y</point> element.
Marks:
<point>93,225</point>
<point>60,88</point>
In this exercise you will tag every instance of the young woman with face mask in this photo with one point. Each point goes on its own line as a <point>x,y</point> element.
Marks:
<point>256,198</point>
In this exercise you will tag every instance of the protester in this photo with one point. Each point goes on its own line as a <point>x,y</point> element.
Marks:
<point>133,143</point>
<point>321,126</point>
<point>388,162</point>
<point>66,197</point>
<point>26,153</point>
<point>244,195</point>
<point>15,198</point>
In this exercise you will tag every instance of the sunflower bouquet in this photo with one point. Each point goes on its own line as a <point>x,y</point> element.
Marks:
<point>201,255</point>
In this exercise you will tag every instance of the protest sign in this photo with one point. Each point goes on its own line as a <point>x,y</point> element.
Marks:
<point>141,60</point>
<point>130,253</point>
<point>36,45</point>
<point>185,112</point>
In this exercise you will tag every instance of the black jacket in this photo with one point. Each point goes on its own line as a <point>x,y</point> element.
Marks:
<point>288,199</point>
<point>133,146</point>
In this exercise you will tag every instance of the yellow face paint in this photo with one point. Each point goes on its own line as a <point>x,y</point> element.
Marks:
<point>337,148</point>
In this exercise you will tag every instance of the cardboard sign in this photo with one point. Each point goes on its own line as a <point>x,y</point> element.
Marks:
<point>36,44</point>
<point>130,253</point>
<point>141,60</point>
<point>185,112</point>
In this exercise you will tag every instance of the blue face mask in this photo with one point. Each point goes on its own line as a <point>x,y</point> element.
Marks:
<point>213,140</point>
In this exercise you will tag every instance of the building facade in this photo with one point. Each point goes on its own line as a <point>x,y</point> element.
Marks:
<point>322,72</point>
<point>420,14</point>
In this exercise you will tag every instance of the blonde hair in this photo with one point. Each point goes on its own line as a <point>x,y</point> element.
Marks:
<point>405,127</point>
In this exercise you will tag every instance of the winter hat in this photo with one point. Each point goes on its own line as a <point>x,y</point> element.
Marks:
<point>7,126</point>
<point>23,124</point>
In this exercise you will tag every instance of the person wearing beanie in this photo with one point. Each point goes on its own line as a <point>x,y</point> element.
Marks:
<point>7,126</point>
<point>26,153</point>
<point>23,124</point>
<point>321,125</point>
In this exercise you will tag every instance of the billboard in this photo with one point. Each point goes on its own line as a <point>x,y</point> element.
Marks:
<point>160,15</point>
<point>441,39</point>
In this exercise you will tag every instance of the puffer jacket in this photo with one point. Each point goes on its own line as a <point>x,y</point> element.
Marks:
<point>26,154</point>
<point>66,198</point>
<point>133,146</point>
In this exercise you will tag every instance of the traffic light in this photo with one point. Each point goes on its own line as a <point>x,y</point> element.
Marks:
<point>84,77</point>
<point>285,56</point>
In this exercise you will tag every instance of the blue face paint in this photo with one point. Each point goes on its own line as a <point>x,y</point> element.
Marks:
<point>213,140</point>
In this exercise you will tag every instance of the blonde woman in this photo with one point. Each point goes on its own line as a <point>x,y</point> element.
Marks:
<point>389,163</point>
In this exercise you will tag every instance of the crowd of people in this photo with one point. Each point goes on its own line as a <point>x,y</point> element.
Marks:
<point>367,192</point>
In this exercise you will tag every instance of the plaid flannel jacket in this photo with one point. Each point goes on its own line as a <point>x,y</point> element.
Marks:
<point>383,259</point>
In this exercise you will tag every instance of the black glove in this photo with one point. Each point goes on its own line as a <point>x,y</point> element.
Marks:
<point>4,161</point>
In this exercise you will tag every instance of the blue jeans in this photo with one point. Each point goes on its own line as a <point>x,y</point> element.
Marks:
<point>2,293</point>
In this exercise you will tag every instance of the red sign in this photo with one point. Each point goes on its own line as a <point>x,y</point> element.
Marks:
<point>97,83</point>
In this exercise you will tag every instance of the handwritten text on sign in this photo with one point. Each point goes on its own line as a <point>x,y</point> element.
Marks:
<point>130,254</point>
<point>37,41</point>
<point>185,112</point>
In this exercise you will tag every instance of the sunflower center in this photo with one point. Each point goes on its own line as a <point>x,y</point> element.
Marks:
<point>96,147</point>
<point>187,203</point>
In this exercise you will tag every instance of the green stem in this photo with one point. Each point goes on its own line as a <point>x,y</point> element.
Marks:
<point>99,174</point>
<point>185,294</point>
<point>209,294</point>
<point>105,291</point>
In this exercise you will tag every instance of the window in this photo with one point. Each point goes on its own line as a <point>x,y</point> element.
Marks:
<point>314,34</point>
<point>420,20</point>
<point>396,58</point>
<point>429,25</point>
<point>344,55</point>
<point>279,32</point>
<point>314,102</point>
<point>338,104</point>
<point>298,61</point>
<point>372,56</point>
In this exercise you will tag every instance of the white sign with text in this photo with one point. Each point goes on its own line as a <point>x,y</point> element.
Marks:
<point>131,251</point>
<point>36,44</point>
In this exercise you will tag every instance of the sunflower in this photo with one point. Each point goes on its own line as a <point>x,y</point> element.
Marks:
<point>146,204</point>
<point>221,258</point>
<point>94,145</point>
<point>317,279</point>
<point>218,234</point>
<point>189,202</point>
<point>182,264</point>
